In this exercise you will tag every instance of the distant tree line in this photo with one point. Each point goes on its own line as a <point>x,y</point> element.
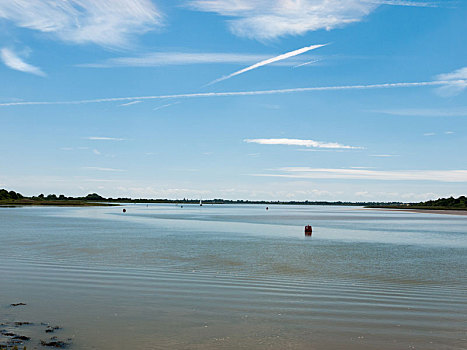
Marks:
<point>450,202</point>
<point>94,197</point>
<point>54,197</point>
<point>441,203</point>
<point>4,194</point>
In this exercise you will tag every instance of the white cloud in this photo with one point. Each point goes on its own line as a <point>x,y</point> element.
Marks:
<point>456,75</point>
<point>268,19</point>
<point>427,112</point>
<point>269,61</point>
<point>102,169</point>
<point>95,151</point>
<point>361,174</point>
<point>12,60</point>
<point>318,150</point>
<point>103,138</point>
<point>103,22</point>
<point>456,82</point>
<point>298,142</point>
<point>404,3</point>
<point>233,93</point>
<point>384,155</point>
<point>152,192</point>
<point>429,134</point>
<point>157,59</point>
<point>397,196</point>
<point>449,132</point>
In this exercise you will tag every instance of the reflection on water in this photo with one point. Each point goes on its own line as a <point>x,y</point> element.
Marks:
<point>238,276</point>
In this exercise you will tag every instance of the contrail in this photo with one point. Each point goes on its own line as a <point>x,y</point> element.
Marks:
<point>269,61</point>
<point>165,106</point>
<point>306,63</point>
<point>244,93</point>
<point>129,103</point>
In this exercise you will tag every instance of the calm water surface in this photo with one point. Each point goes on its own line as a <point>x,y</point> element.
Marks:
<point>237,277</point>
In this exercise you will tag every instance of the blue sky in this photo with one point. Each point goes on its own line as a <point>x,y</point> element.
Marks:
<point>205,98</point>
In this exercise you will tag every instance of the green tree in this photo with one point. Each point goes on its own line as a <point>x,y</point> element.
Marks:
<point>93,197</point>
<point>4,194</point>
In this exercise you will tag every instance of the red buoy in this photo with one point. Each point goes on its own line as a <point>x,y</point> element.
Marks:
<point>308,230</point>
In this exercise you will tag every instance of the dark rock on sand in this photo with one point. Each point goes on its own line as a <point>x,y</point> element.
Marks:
<point>14,335</point>
<point>54,342</point>
<point>22,323</point>
<point>8,333</point>
<point>51,329</point>
<point>21,337</point>
<point>18,304</point>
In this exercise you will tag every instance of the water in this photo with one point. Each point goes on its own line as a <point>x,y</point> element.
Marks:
<point>236,277</point>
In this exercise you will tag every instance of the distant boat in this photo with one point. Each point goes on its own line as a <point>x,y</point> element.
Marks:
<point>200,203</point>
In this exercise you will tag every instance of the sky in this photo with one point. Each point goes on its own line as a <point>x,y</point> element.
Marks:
<point>352,100</point>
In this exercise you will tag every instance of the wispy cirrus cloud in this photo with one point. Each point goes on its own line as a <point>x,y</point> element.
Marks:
<point>406,3</point>
<point>427,112</point>
<point>150,191</point>
<point>102,169</point>
<point>299,142</point>
<point>366,174</point>
<point>13,61</point>
<point>361,167</point>
<point>157,59</point>
<point>456,82</point>
<point>103,138</point>
<point>269,19</point>
<point>103,22</point>
<point>269,61</point>
<point>319,150</point>
<point>384,155</point>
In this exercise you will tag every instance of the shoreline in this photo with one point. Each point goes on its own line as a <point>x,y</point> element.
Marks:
<point>64,203</point>
<point>426,211</point>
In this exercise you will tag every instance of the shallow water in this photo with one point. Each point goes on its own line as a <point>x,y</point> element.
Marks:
<point>232,277</point>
